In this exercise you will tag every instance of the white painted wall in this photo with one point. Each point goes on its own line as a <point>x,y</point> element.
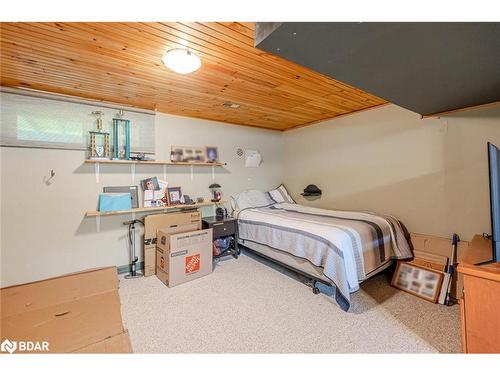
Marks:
<point>432,174</point>
<point>44,232</point>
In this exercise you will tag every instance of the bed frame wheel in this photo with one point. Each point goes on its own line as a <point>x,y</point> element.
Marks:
<point>315,289</point>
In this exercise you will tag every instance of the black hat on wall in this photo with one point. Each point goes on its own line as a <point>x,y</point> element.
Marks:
<point>311,191</point>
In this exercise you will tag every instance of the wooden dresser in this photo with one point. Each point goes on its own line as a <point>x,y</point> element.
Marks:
<point>480,305</point>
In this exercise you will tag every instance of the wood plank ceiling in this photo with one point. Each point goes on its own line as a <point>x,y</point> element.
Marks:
<point>121,63</point>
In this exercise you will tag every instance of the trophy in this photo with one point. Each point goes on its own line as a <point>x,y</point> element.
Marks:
<point>121,136</point>
<point>99,140</point>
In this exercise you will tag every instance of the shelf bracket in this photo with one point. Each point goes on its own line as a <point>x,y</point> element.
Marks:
<point>213,173</point>
<point>191,171</point>
<point>98,223</point>
<point>132,172</point>
<point>164,172</point>
<point>96,167</point>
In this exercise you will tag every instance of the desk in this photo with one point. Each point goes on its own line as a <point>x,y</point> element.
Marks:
<point>480,305</point>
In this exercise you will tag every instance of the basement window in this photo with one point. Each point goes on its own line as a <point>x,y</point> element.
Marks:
<point>28,121</point>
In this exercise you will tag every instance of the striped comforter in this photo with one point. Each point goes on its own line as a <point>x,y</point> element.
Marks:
<point>350,246</point>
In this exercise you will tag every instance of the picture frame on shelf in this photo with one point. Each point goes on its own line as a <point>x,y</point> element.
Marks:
<point>176,154</point>
<point>156,198</point>
<point>212,154</point>
<point>174,195</point>
<point>187,154</point>
<point>150,184</point>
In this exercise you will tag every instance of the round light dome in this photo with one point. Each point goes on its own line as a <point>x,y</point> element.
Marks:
<point>181,61</point>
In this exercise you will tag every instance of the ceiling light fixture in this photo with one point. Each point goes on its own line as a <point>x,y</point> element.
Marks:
<point>181,61</point>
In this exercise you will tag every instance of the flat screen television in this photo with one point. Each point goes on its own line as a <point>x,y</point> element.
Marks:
<point>494,167</point>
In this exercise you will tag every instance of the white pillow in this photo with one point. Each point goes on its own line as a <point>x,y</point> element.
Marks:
<point>280,195</point>
<point>250,199</point>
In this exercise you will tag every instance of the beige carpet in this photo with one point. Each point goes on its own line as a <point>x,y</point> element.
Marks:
<point>245,306</point>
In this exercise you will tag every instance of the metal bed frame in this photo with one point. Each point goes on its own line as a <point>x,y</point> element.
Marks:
<point>313,279</point>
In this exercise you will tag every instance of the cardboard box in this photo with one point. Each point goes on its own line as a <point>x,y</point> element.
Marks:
<point>430,261</point>
<point>151,249</point>
<point>163,234</point>
<point>115,344</point>
<point>154,222</point>
<point>162,275</point>
<point>69,313</point>
<point>149,260</point>
<point>183,257</point>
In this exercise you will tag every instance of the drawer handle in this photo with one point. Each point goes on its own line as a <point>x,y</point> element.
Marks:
<point>216,224</point>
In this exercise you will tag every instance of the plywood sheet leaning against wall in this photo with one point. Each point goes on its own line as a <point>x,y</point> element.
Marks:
<point>73,313</point>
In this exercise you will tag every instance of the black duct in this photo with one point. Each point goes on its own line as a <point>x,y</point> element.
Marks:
<point>422,66</point>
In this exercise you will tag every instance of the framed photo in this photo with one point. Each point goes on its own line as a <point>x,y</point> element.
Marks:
<point>212,154</point>
<point>176,154</point>
<point>421,282</point>
<point>174,196</point>
<point>156,198</point>
<point>150,184</point>
<point>199,155</point>
<point>187,154</point>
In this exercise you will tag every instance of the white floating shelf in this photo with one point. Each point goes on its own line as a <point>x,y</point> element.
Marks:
<point>152,162</point>
<point>150,209</point>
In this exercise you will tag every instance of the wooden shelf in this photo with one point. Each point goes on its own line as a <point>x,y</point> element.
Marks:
<point>152,162</point>
<point>150,209</point>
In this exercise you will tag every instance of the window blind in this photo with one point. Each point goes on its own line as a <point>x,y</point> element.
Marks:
<point>28,121</point>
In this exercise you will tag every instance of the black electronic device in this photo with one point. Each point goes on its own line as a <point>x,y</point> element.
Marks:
<point>220,212</point>
<point>494,169</point>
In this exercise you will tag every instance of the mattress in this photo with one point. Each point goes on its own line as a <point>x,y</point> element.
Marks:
<point>348,246</point>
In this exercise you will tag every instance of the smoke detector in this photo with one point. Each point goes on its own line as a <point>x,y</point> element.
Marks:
<point>231,105</point>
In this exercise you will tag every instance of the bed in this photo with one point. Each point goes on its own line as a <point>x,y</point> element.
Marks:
<point>339,248</point>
